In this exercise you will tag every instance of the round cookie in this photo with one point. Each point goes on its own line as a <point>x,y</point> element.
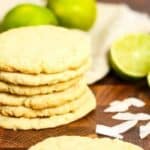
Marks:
<point>83,143</point>
<point>22,111</point>
<point>50,122</point>
<point>43,79</point>
<point>43,49</point>
<point>36,90</point>
<point>44,101</point>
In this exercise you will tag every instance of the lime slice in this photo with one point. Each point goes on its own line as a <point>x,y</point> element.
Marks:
<point>27,15</point>
<point>148,79</point>
<point>74,13</point>
<point>130,56</point>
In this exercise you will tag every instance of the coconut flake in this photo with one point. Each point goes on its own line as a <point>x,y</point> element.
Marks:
<point>131,116</point>
<point>125,126</point>
<point>133,101</point>
<point>116,102</point>
<point>115,131</point>
<point>105,130</point>
<point>144,130</point>
<point>122,106</point>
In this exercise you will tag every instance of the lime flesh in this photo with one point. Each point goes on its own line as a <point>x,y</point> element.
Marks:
<point>148,79</point>
<point>130,56</point>
<point>27,15</point>
<point>74,13</point>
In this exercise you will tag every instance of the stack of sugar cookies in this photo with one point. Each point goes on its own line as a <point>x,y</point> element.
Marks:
<point>42,81</point>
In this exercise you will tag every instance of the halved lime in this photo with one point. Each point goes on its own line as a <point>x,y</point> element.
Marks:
<point>130,56</point>
<point>27,15</point>
<point>148,79</point>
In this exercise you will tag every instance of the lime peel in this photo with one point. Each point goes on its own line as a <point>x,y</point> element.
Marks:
<point>129,56</point>
<point>28,14</point>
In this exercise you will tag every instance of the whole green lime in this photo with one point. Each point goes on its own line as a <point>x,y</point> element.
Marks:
<point>74,13</point>
<point>28,14</point>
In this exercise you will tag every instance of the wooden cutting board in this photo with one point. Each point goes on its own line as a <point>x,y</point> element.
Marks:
<point>107,90</point>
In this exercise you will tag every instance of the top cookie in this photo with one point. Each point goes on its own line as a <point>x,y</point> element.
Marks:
<point>43,49</point>
<point>83,143</point>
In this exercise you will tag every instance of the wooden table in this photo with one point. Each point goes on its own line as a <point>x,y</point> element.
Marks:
<point>107,90</point>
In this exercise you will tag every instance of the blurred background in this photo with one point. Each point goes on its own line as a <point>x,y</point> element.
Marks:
<point>141,5</point>
<point>105,21</point>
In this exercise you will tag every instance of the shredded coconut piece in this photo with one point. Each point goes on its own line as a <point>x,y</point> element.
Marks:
<point>122,106</point>
<point>105,130</point>
<point>125,126</point>
<point>131,116</point>
<point>116,102</point>
<point>115,131</point>
<point>144,130</point>
<point>133,101</point>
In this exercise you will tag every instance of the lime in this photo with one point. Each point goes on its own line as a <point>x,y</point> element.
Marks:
<point>1,28</point>
<point>130,56</point>
<point>74,13</point>
<point>148,79</point>
<point>28,14</point>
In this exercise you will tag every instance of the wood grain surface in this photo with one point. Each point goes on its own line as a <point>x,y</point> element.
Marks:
<point>107,90</point>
